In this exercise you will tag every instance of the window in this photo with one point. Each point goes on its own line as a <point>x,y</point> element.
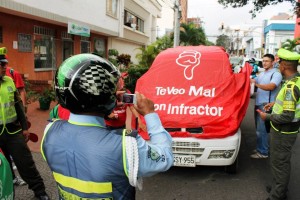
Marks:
<point>133,21</point>
<point>99,47</point>
<point>67,45</point>
<point>43,51</point>
<point>85,45</point>
<point>44,48</point>
<point>24,42</point>
<point>112,7</point>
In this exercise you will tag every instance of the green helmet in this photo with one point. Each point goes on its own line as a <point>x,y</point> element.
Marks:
<point>87,83</point>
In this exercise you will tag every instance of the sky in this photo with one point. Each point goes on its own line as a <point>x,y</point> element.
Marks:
<point>213,14</point>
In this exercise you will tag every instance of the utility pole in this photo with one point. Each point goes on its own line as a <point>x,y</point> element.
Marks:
<point>177,10</point>
<point>238,41</point>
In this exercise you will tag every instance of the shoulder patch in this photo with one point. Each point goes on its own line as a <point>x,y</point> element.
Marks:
<point>154,155</point>
<point>10,89</point>
<point>288,95</point>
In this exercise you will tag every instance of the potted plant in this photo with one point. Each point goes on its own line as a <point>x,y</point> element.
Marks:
<point>45,98</point>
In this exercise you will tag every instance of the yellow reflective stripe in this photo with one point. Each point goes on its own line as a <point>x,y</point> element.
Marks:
<point>83,186</point>
<point>292,89</point>
<point>124,152</point>
<point>282,131</point>
<point>279,102</point>
<point>290,132</point>
<point>9,104</point>
<point>11,133</point>
<point>84,124</point>
<point>69,196</point>
<point>273,126</point>
<point>45,133</point>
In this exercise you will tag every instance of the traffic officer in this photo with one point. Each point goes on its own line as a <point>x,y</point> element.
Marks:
<point>88,160</point>
<point>285,122</point>
<point>14,134</point>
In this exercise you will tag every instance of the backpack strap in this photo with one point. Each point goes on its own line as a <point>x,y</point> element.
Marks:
<point>11,71</point>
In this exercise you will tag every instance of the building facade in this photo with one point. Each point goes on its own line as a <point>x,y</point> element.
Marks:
<point>40,34</point>
<point>276,32</point>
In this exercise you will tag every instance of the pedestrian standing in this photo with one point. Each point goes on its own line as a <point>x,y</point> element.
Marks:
<point>121,116</point>
<point>88,160</point>
<point>285,122</point>
<point>267,83</point>
<point>14,134</point>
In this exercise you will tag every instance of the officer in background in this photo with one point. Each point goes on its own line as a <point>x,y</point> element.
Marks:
<point>14,134</point>
<point>88,160</point>
<point>285,122</point>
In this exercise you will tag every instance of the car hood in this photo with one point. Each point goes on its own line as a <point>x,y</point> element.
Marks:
<point>195,87</point>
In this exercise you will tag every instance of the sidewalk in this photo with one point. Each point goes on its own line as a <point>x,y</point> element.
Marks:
<point>38,119</point>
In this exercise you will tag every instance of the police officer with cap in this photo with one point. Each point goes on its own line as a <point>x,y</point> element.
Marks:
<point>14,134</point>
<point>285,122</point>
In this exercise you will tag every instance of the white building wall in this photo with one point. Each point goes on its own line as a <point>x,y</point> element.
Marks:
<point>123,47</point>
<point>131,40</point>
<point>91,13</point>
<point>166,22</point>
<point>274,40</point>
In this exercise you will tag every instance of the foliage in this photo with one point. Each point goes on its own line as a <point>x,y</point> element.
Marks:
<point>112,56</point>
<point>134,73</point>
<point>209,43</point>
<point>113,52</point>
<point>257,5</point>
<point>149,53</point>
<point>190,35</point>
<point>47,95</point>
<point>124,59</point>
<point>224,41</point>
<point>291,45</point>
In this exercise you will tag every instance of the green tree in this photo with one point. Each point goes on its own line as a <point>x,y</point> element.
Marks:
<point>149,53</point>
<point>258,5</point>
<point>292,45</point>
<point>224,41</point>
<point>145,59</point>
<point>134,73</point>
<point>190,35</point>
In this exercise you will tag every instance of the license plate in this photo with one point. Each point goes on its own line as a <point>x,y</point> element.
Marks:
<point>184,160</point>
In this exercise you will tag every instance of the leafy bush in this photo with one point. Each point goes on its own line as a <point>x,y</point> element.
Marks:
<point>134,73</point>
<point>124,59</point>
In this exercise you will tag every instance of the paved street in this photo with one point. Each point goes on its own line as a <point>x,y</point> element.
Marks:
<point>186,183</point>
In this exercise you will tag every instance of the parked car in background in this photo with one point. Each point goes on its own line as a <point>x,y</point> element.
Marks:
<point>236,63</point>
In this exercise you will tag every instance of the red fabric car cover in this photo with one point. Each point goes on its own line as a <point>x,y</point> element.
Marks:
<point>195,87</point>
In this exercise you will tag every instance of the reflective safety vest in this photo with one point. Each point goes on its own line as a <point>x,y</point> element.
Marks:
<point>6,181</point>
<point>287,92</point>
<point>7,103</point>
<point>87,161</point>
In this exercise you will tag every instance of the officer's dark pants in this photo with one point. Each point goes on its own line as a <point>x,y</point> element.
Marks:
<point>15,145</point>
<point>7,156</point>
<point>280,156</point>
